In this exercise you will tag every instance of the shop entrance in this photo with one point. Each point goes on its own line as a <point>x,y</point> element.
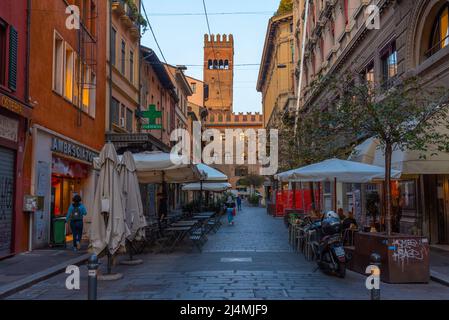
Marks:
<point>67,180</point>
<point>62,191</point>
<point>443,209</point>
<point>7,161</point>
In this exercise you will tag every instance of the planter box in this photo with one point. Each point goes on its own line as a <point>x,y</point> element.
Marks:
<point>404,258</point>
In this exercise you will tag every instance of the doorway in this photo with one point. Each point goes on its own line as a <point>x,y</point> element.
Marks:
<point>443,209</point>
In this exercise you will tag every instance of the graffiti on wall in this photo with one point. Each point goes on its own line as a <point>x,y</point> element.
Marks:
<point>407,251</point>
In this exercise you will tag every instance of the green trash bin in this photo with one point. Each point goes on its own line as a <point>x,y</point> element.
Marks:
<point>59,231</point>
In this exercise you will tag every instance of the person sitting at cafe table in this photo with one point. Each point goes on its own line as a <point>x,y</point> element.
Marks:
<point>349,222</point>
<point>341,214</point>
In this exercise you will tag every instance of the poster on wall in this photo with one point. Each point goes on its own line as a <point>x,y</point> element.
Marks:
<point>42,217</point>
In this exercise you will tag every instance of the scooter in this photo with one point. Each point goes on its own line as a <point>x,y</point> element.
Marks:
<point>331,256</point>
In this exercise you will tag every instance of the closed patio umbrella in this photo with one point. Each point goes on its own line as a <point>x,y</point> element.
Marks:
<point>108,228</point>
<point>134,217</point>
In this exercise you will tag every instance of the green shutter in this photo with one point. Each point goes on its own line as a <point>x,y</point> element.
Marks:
<point>13,46</point>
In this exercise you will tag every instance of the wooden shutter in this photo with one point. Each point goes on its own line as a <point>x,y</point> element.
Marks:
<point>13,46</point>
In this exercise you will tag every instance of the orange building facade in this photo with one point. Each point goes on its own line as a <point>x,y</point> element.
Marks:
<point>68,94</point>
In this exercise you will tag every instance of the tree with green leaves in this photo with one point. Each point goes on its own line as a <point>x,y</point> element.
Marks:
<point>253,181</point>
<point>404,115</point>
<point>285,6</point>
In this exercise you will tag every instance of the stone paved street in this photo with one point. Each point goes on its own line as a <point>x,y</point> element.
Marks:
<point>250,260</point>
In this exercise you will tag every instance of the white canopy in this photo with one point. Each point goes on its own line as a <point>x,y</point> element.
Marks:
<point>408,161</point>
<point>341,170</point>
<point>207,186</point>
<point>210,173</point>
<point>157,166</point>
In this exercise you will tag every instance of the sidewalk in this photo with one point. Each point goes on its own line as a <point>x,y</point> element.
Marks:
<point>25,269</point>
<point>439,264</point>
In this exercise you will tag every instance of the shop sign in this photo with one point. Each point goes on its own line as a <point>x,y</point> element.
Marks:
<point>9,128</point>
<point>72,150</point>
<point>11,104</point>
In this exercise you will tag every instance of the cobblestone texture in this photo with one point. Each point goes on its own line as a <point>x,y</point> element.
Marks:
<point>266,269</point>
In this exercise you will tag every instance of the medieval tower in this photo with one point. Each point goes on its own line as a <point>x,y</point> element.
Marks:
<point>219,71</point>
<point>219,78</point>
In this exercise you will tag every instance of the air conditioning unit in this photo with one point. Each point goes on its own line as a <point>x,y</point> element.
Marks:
<point>122,122</point>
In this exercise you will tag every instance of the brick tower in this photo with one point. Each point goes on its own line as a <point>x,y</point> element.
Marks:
<point>219,71</point>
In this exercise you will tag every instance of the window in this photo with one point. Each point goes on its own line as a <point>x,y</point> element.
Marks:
<point>226,64</point>
<point>129,120</point>
<point>389,57</point>
<point>3,28</point>
<point>86,84</point>
<point>241,172</point>
<point>123,57</point>
<point>193,85</point>
<point>131,66</point>
<point>113,46</point>
<point>58,60</point>
<point>440,32</point>
<point>115,111</point>
<point>69,73</point>
<point>346,12</point>
<point>210,65</point>
<point>292,50</point>
<point>220,118</point>
<point>212,118</point>
<point>368,74</point>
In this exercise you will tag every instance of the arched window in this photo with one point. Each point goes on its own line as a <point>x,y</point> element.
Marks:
<point>209,64</point>
<point>439,37</point>
<point>226,64</point>
<point>221,64</point>
<point>215,64</point>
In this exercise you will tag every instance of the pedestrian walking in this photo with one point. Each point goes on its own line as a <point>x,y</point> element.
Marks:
<point>74,217</point>
<point>230,211</point>
<point>239,203</point>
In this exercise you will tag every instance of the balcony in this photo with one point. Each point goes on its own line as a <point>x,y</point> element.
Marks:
<point>126,14</point>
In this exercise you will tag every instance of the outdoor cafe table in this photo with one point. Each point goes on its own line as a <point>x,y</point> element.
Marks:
<point>185,223</point>
<point>178,234</point>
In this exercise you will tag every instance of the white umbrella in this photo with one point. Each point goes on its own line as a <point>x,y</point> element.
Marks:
<point>336,170</point>
<point>342,170</point>
<point>108,201</point>
<point>211,174</point>
<point>157,167</point>
<point>132,199</point>
<point>207,186</point>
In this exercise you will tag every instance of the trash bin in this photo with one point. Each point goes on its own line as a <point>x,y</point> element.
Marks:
<point>59,231</point>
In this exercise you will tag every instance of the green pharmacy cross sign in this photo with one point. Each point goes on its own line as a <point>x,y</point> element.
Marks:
<point>152,114</point>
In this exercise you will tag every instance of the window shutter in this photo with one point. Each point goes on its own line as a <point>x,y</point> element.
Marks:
<point>13,46</point>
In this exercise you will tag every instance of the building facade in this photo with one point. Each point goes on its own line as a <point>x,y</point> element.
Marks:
<point>276,79</point>
<point>123,57</point>
<point>15,118</point>
<point>68,91</point>
<point>412,40</point>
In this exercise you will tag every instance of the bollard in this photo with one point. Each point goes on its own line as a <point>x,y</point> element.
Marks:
<point>375,260</point>
<point>92,267</point>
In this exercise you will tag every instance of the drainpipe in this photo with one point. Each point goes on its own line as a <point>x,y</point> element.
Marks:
<point>110,68</point>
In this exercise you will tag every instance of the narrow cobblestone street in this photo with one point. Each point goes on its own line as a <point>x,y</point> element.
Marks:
<point>250,260</point>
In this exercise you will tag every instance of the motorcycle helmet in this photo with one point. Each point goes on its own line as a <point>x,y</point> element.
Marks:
<point>331,223</point>
<point>331,214</point>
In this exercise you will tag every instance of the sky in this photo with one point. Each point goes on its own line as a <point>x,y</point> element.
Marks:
<point>181,38</point>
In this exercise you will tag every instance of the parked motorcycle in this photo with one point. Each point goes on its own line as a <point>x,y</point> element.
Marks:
<point>328,246</point>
